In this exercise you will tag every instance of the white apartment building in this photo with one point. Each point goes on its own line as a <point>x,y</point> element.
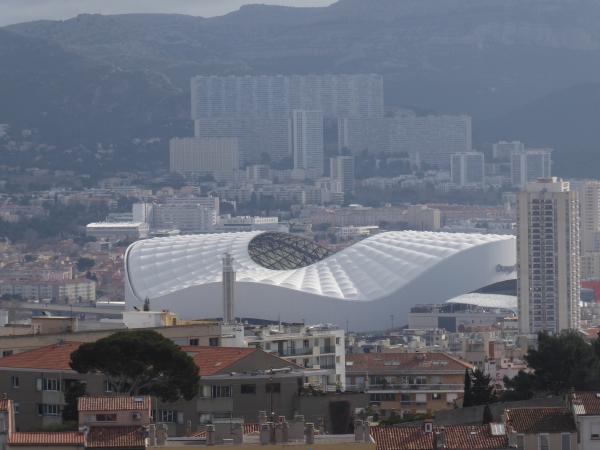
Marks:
<point>548,280</point>
<point>117,231</point>
<point>188,215</point>
<point>530,165</point>
<point>306,141</point>
<point>467,170</point>
<point>315,347</point>
<point>429,139</point>
<point>66,291</point>
<point>216,156</point>
<point>341,168</point>
<point>422,217</point>
<point>502,150</point>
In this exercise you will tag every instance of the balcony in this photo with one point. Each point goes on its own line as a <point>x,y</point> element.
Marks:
<point>404,387</point>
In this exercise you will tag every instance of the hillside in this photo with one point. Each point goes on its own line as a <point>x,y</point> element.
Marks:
<point>512,64</point>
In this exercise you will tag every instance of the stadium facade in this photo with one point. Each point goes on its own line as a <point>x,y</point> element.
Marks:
<point>286,277</point>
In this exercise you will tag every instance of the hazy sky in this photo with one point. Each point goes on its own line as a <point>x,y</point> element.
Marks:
<point>14,11</point>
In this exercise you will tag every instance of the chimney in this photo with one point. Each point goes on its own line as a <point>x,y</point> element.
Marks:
<point>210,435</point>
<point>358,430</point>
<point>428,426</point>
<point>228,290</point>
<point>309,433</point>
<point>439,440</point>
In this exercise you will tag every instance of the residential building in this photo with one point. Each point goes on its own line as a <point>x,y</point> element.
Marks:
<point>585,407</point>
<point>407,383</point>
<point>530,165</point>
<point>502,150</point>
<point>341,168</point>
<point>81,290</point>
<point>115,410</point>
<point>431,139</point>
<point>117,231</point>
<point>424,218</point>
<point>540,428</point>
<point>258,172</point>
<point>218,157</point>
<point>429,437</point>
<point>548,257</point>
<point>589,193</point>
<point>188,215</point>
<point>467,170</point>
<point>256,109</point>
<point>235,383</point>
<point>312,347</point>
<point>306,141</point>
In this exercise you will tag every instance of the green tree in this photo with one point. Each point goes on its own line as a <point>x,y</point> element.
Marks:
<point>85,264</point>
<point>140,362</point>
<point>520,387</point>
<point>73,391</point>
<point>468,396</point>
<point>482,390</point>
<point>563,361</point>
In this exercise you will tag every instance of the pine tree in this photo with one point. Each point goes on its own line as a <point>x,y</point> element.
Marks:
<point>468,396</point>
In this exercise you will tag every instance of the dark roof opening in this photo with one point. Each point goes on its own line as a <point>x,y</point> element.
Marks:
<point>281,251</point>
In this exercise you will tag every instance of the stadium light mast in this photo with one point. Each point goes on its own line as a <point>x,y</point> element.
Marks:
<point>228,290</point>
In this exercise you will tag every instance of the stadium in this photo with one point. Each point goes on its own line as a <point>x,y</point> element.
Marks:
<point>286,277</point>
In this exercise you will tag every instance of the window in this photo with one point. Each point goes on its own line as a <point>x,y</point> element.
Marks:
<point>195,342</point>
<point>108,387</point>
<point>6,353</point>
<point>166,416</point>
<point>16,407</point>
<point>543,442</point>
<point>50,384</point>
<point>383,397</point>
<point>14,381</point>
<point>337,341</point>
<point>273,388</point>
<point>204,418</point>
<point>520,441</point>
<point>213,342</point>
<point>106,417</point>
<point>436,396</point>
<point>248,389</point>
<point>48,410</point>
<point>421,399</point>
<point>219,391</point>
<point>565,441</point>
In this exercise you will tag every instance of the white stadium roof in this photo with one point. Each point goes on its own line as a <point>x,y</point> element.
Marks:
<point>364,283</point>
<point>486,300</point>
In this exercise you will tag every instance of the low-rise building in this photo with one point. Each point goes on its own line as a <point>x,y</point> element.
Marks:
<point>407,383</point>
<point>540,428</point>
<point>117,231</point>
<point>585,407</point>
<point>312,347</point>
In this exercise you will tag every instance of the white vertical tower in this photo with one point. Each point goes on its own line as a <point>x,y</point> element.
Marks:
<point>306,141</point>
<point>548,257</point>
<point>228,290</point>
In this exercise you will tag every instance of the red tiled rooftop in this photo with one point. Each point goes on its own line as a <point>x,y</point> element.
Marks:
<point>456,437</point>
<point>540,420</point>
<point>211,360</point>
<point>116,437</point>
<point>53,357</point>
<point>393,362</point>
<point>47,438</point>
<point>114,403</point>
<point>586,403</point>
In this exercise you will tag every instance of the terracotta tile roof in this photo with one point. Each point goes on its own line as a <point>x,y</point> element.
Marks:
<point>116,437</point>
<point>397,362</point>
<point>212,360</point>
<point>47,438</point>
<point>456,437</point>
<point>53,357</point>
<point>586,403</point>
<point>539,420</point>
<point>114,403</point>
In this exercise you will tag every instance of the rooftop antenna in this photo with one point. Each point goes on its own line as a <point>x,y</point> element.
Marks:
<point>228,289</point>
